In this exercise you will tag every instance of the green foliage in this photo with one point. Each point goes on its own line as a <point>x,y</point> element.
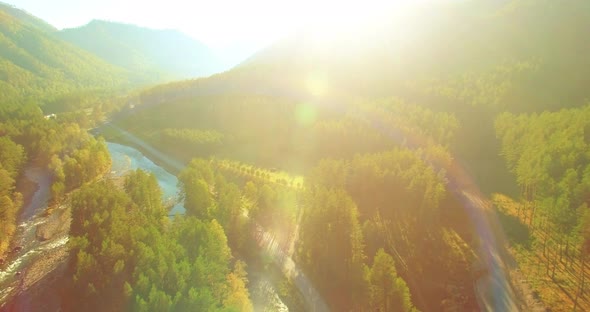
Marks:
<point>35,64</point>
<point>195,189</point>
<point>384,180</point>
<point>239,298</point>
<point>192,136</point>
<point>194,142</point>
<point>385,160</point>
<point>270,176</point>
<point>26,18</point>
<point>26,138</point>
<point>12,156</point>
<point>397,178</point>
<point>388,292</point>
<point>151,55</point>
<point>90,160</point>
<point>489,89</point>
<point>411,120</point>
<point>144,191</point>
<point>548,154</point>
<point>8,211</point>
<point>129,256</point>
<point>331,247</point>
<point>404,208</point>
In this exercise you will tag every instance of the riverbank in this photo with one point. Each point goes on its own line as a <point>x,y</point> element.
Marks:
<point>43,241</point>
<point>269,289</point>
<point>39,284</point>
<point>120,136</point>
<point>26,187</point>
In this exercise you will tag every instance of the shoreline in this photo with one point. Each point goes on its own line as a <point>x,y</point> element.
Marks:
<point>290,298</point>
<point>146,152</point>
<point>149,155</point>
<point>27,188</point>
<point>36,290</point>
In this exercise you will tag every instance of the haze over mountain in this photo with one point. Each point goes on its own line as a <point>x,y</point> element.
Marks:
<point>434,158</point>
<point>438,45</point>
<point>35,63</point>
<point>36,58</point>
<point>168,54</point>
<point>465,76</point>
<point>27,18</point>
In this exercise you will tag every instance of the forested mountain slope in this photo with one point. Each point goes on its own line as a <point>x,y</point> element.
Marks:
<point>27,18</point>
<point>472,58</point>
<point>35,64</point>
<point>548,155</point>
<point>492,56</point>
<point>167,54</point>
<point>393,109</point>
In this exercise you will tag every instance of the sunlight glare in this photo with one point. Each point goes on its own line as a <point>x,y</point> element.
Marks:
<point>316,84</point>
<point>306,114</point>
<point>329,20</point>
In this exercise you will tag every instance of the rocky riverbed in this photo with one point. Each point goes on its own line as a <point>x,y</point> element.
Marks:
<point>43,241</point>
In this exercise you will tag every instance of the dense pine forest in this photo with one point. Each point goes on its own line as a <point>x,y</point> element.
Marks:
<point>73,155</point>
<point>439,160</point>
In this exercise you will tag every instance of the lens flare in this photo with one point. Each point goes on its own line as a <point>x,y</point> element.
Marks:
<point>306,114</point>
<point>315,83</point>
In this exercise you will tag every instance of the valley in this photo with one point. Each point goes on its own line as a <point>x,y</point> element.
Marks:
<point>433,158</point>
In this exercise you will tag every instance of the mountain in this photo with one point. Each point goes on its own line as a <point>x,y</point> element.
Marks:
<point>26,18</point>
<point>34,63</point>
<point>168,54</point>
<point>481,80</point>
<point>474,58</point>
<point>422,50</point>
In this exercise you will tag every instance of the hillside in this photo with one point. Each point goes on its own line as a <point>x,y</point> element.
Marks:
<point>158,54</point>
<point>442,47</point>
<point>379,121</point>
<point>27,18</point>
<point>473,60</point>
<point>34,64</point>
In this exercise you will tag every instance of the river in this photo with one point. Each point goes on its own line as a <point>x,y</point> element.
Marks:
<point>126,158</point>
<point>35,252</point>
<point>37,258</point>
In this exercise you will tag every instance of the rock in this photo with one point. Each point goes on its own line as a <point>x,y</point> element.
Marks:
<point>56,224</point>
<point>43,233</point>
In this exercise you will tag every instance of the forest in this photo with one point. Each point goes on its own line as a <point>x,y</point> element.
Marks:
<point>127,254</point>
<point>383,147</point>
<point>374,172</point>
<point>548,155</point>
<point>28,139</point>
<point>377,172</point>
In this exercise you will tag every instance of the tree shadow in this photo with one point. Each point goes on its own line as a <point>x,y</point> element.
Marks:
<point>516,231</point>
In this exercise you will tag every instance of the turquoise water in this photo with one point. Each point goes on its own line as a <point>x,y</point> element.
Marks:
<point>126,158</point>
<point>264,295</point>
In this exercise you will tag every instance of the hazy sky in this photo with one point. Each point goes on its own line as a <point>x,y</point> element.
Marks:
<point>216,23</point>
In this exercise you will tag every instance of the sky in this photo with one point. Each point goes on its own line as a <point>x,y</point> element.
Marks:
<point>217,23</point>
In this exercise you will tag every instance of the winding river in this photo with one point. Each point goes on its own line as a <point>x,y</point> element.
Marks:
<point>34,251</point>
<point>125,158</point>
